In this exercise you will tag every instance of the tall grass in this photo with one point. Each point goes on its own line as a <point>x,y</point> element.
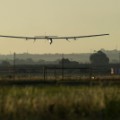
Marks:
<point>59,103</point>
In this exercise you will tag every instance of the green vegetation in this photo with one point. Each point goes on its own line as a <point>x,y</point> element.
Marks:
<point>59,103</point>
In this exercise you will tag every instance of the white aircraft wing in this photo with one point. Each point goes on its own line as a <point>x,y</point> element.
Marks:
<point>19,37</point>
<point>77,37</point>
<point>50,38</point>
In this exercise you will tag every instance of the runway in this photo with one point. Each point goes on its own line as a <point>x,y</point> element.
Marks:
<point>104,82</point>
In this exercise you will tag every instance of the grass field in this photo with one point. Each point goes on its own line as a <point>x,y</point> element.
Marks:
<point>59,103</point>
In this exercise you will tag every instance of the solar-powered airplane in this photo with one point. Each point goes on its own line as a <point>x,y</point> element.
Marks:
<point>51,38</point>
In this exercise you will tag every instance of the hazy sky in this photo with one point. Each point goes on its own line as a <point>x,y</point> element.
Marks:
<point>59,18</point>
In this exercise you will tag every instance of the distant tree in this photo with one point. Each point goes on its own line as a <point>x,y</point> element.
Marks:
<point>5,63</point>
<point>65,61</point>
<point>19,61</point>
<point>99,58</point>
<point>69,63</point>
<point>40,61</point>
<point>29,61</point>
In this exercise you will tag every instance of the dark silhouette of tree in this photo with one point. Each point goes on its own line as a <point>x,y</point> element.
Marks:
<point>99,58</point>
<point>65,61</point>
<point>5,63</point>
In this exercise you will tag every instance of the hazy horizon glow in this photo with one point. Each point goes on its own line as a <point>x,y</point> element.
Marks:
<point>59,18</point>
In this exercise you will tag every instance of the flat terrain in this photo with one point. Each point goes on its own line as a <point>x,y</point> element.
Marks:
<point>59,102</point>
<point>65,82</point>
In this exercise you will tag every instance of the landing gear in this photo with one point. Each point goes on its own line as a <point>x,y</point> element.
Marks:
<point>50,41</point>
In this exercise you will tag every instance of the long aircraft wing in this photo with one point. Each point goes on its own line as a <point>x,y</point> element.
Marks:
<point>50,38</point>
<point>76,37</point>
